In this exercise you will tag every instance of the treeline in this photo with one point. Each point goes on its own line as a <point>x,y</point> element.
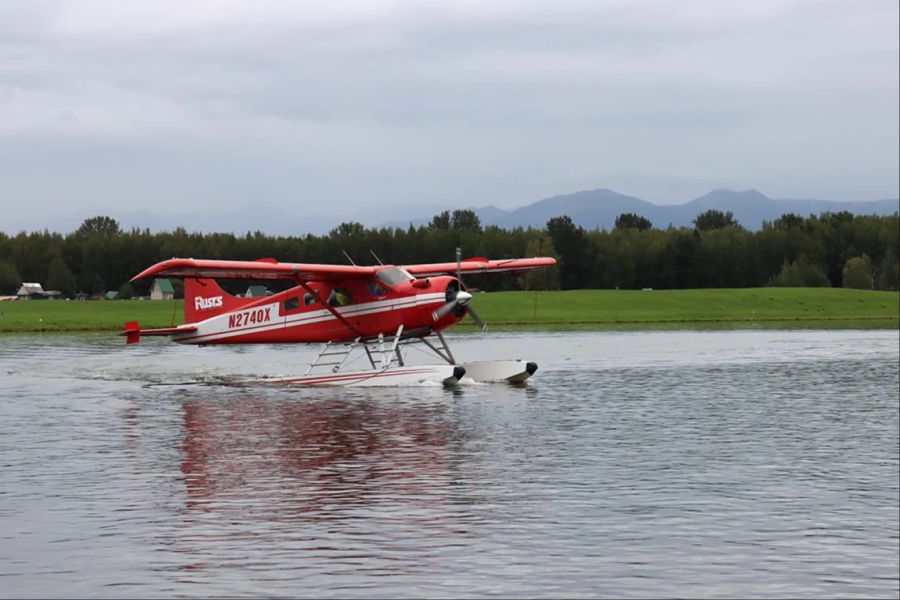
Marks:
<point>831,249</point>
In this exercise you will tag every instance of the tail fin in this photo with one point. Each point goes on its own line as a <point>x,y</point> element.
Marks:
<point>204,298</point>
<point>132,331</point>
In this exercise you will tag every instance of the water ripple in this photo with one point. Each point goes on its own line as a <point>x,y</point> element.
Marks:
<point>666,464</point>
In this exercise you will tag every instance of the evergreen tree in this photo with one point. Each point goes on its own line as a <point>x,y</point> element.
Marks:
<point>440,221</point>
<point>9,278</point>
<point>633,221</point>
<point>788,221</point>
<point>60,277</point>
<point>714,219</point>
<point>465,220</point>
<point>889,272</point>
<point>101,225</point>
<point>569,241</point>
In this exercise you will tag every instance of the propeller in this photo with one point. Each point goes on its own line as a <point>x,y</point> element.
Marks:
<point>457,299</point>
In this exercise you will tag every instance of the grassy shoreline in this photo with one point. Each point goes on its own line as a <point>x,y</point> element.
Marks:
<point>542,311</point>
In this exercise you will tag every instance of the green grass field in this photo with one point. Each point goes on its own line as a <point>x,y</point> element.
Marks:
<point>684,307</point>
<point>576,309</point>
<point>96,315</point>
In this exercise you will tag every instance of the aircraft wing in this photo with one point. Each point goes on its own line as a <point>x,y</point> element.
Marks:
<point>252,269</point>
<point>481,265</point>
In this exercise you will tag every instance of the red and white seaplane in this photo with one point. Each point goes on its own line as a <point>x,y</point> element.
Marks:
<point>376,309</point>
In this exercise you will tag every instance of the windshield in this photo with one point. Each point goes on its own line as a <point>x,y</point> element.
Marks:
<point>393,275</point>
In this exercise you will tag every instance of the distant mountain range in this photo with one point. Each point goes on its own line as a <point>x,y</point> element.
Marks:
<point>592,209</point>
<point>598,209</point>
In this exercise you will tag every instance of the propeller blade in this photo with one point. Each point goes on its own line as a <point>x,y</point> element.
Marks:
<point>443,309</point>
<point>476,318</point>
<point>461,298</point>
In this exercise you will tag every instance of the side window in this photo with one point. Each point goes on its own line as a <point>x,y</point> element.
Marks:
<point>308,299</point>
<point>291,303</point>
<point>339,297</point>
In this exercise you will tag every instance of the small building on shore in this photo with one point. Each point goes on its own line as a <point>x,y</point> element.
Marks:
<point>30,291</point>
<point>35,291</point>
<point>162,289</point>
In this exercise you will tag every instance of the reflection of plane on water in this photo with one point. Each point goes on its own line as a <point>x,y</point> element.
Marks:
<point>311,459</point>
<point>378,310</point>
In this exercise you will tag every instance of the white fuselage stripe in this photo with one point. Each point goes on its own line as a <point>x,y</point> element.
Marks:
<point>215,328</point>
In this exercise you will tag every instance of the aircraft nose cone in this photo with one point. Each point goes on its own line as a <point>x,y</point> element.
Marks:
<point>462,298</point>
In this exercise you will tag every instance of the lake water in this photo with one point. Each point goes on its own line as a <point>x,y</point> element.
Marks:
<point>634,464</point>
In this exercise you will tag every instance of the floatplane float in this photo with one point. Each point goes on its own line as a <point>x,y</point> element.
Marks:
<point>377,311</point>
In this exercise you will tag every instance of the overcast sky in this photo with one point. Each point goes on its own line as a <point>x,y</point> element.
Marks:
<point>329,106</point>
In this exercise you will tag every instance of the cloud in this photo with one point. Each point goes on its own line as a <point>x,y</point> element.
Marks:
<point>345,104</point>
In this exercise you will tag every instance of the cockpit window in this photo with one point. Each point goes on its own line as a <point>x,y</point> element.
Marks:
<point>393,275</point>
<point>376,288</point>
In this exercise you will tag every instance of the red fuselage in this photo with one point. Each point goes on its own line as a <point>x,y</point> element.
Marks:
<point>339,310</point>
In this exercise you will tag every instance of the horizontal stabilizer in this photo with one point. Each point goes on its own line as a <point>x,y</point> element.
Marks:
<point>133,331</point>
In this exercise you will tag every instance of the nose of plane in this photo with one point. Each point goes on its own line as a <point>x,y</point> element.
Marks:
<point>463,297</point>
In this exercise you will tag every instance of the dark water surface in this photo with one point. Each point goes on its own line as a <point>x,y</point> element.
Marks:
<point>657,464</point>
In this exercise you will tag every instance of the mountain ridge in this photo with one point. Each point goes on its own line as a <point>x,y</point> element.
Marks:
<point>750,208</point>
<point>590,209</point>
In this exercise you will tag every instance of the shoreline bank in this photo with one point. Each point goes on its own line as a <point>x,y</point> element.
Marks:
<point>824,308</point>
